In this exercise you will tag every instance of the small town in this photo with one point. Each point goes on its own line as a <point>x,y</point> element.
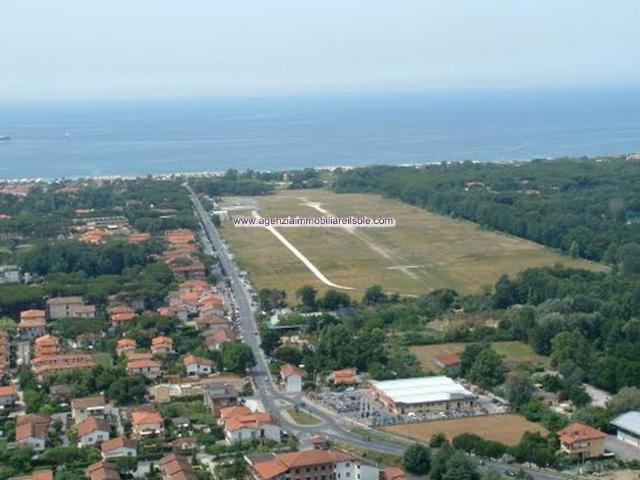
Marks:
<point>148,354</point>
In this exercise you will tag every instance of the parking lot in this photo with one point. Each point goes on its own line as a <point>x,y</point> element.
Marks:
<point>359,404</point>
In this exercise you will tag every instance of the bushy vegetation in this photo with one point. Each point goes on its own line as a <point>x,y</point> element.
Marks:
<point>584,207</point>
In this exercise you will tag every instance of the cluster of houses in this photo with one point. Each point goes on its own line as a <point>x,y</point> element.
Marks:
<point>182,254</point>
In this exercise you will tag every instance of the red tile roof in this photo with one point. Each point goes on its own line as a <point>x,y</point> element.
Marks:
<point>578,432</point>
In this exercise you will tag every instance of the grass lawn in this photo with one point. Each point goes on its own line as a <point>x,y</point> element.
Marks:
<point>512,351</point>
<point>302,417</point>
<point>425,251</point>
<point>507,429</point>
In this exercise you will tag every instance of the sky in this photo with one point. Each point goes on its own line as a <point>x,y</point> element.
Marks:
<point>79,49</point>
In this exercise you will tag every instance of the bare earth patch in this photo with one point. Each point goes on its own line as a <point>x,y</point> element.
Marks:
<point>507,429</point>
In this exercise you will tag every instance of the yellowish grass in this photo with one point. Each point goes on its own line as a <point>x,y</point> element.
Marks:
<point>437,251</point>
<point>507,429</point>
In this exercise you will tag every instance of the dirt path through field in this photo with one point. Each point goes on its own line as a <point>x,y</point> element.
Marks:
<point>383,252</point>
<point>315,270</point>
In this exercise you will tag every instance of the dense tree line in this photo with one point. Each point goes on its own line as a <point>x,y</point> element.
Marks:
<point>232,183</point>
<point>584,207</point>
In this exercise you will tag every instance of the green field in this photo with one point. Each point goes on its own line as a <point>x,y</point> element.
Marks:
<point>511,351</point>
<point>423,252</point>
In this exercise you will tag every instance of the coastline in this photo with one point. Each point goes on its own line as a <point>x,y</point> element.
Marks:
<point>219,173</point>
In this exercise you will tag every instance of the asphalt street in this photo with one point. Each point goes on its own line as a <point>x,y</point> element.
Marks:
<point>276,402</point>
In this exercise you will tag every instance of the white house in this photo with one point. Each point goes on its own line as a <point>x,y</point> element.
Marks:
<point>197,365</point>
<point>92,431</point>
<point>291,378</point>
<point>119,447</point>
<point>241,424</point>
<point>355,469</point>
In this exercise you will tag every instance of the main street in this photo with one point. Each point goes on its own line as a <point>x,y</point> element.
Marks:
<point>274,401</point>
<point>332,426</point>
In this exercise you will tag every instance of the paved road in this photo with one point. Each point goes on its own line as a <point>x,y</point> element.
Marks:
<point>333,426</point>
<point>275,401</point>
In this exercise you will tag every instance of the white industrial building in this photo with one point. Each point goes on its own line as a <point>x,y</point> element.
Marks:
<point>423,394</point>
<point>628,428</point>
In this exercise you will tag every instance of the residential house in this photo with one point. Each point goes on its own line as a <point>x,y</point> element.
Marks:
<point>85,311</point>
<point>214,338</point>
<point>46,345</point>
<point>196,286</point>
<point>311,464</point>
<point>131,356</point>
<point>8,396</point>
<point>125,345</point>
<point>166,311</point>
<point>48,364</point>
<point>68,307</point>
<point>32,314</point>
<point>581,440</point>
<point>102,471</point>
<point>197,365</point>
<point>151,369</point>
<point>146,422</point>
<point>83,408</point>
<point>119,447</point>
<point>121,315</point>
<point>346,376</point>
<point>32,324</point>
<point>136,238</point>
<point>291,378</point>
<point>176,467</point>
<point>217,396</point>
<point>184,443</point>
<point>211,322</point>
<point>449,362</point>
<point>92,431</point>
<point>94,236</point>
<point>180,236</point>
<point>88,340</point>
<point>33,430</point>
<point>241,424</point>
<point>36,475</point>
<point>194,269</point>
<point>628,428</point>
<point>162,345</point>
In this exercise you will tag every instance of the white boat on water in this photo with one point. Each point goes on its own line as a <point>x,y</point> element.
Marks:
<point>5,137</point>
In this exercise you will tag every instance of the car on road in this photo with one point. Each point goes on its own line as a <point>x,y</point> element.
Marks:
<point>510,472</point>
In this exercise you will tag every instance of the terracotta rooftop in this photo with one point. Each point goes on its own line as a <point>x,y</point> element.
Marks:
<point>118,442</point>
<point>32,314</point>
<point>64,300</point>
<point>88,402</point>
<point>8,390</point>
<point>578,432</point>
<point>288,370</point>
<point>283,462</point>
<point>191,359</point>
<point>448,359</point>
<point>161,340</point>
<point>143,364</point>
<point>102,471</point>
<point>37,475</point>
<point>143,417</point>
<point>90,425</point>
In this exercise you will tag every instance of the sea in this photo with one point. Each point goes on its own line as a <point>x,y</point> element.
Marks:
<point>68,139</point>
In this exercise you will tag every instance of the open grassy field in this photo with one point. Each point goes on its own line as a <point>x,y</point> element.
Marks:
<point>512,351</point>
<point>507,429</point>
<point>424,251</point>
